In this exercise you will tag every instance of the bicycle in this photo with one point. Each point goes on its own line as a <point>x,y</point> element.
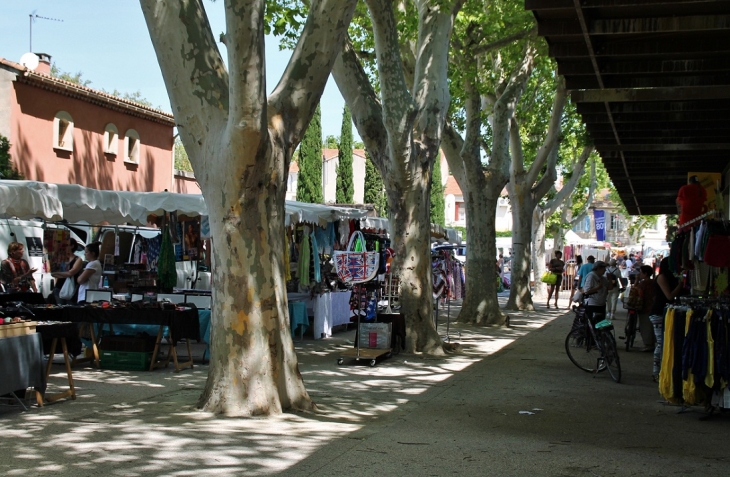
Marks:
<point>632,325</point>
<point>592,347</point>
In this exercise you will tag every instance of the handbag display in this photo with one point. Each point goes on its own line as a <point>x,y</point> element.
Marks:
<point>549,277</point>
<point>356,267</point>
<point>68,289</point>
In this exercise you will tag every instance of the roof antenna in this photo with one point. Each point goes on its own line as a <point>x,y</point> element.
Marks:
<point>33,16</point>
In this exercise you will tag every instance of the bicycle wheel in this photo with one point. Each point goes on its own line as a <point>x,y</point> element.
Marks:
<point>610,355</point>
<point>581,349</point>
<point>630,330</point>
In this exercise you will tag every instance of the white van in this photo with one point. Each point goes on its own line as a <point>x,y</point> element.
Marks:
<point>30,234</point>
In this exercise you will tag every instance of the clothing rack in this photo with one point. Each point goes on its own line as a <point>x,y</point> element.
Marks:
<point>696,219</point>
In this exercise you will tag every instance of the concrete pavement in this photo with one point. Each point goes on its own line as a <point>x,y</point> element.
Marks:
<point>458,415</point>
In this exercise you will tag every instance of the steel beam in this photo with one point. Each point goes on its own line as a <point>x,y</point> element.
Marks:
<point>681,93</point>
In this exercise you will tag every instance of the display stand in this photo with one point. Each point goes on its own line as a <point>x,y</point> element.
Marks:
<point>371,354</point>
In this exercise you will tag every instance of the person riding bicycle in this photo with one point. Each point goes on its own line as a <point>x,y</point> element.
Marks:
<point>595,291</point>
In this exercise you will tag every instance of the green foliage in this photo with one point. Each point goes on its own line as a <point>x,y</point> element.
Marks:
<point>136,97</point>
<point>345,182</point>
<point>672,222</point>
<point>437,195</point>
<point>182,162</point>
<point>374,191</point>
<point>6,163</point>
<point>70,77</point>
<point>285,19</point>
<point>506,233</point>
<point>331,142</point>
<point>309,185</point>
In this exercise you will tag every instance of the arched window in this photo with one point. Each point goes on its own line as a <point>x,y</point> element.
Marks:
<point>131,146</point>
<point>63,131</point>
<point>111,139</point>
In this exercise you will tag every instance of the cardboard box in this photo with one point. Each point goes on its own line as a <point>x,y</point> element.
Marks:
<point>17,329</point>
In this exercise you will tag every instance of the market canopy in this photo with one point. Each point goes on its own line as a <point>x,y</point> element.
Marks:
<point>18,201</point>
<point>297,212</point>
<point>76,203</point>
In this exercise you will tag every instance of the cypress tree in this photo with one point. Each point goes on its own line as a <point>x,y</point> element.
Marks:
<point>374,192</point>
<point>437,195</point>
<point>309,184</point>
<point>6,163</point>
<point>345,183</point>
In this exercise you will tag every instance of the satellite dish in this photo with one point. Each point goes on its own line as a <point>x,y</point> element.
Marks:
<point>29,60</point>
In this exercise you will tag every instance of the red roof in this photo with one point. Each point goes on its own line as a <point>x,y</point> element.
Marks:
<point>87,94</point>
<point>329,154</point>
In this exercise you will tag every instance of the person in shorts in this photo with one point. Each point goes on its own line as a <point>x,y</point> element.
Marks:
<point>595,291</point>
<point>556,266</point>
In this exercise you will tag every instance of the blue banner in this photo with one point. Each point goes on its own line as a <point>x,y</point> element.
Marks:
<point>599,217</point>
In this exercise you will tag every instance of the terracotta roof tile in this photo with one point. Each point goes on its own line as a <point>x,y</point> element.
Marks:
<point>293,167</point>
<point>452,187</point>
<point>84,92</point>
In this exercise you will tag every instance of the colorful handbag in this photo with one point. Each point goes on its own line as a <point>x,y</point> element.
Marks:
<point>356,267</point>
<point>550,278</point>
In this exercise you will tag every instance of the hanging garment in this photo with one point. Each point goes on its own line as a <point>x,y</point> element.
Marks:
<point>665,374</point>
<point>315,258</point>
<point>304,259</point>
<point>710,376</point>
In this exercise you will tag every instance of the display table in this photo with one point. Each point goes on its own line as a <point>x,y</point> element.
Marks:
<point>59,332</point>
<point>22,365</point>
<point>298,317</point>
<point>329,309</point>
<point>182,324</point>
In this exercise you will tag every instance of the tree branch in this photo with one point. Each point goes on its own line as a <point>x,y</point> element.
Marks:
<point>515,144</point>
<point>591,196</point>
<point>397,103</point>
<point>293,101</point>
<point>430,87</point>
<point>367,113</point>
<point>504,107</point>
<point>195,76</point>
<point>578,167</point>
<point>244,40</point>
<point>547,181</point>
<point>452,145</point>
<point>483,49</point>
<point>553,133</point>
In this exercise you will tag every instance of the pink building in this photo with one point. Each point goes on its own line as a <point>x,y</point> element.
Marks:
<point>65,133</point>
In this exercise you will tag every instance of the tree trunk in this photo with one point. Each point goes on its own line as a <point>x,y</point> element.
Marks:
<point>540,290</point>
<point>480,303</point>
<point>253,366</point>
<point>408,211</point>
<point>522,206</point>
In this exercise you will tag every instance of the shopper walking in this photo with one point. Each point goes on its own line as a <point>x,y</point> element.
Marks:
<point>614,275</point>
<point>556,266</point>
<point>666,289</point>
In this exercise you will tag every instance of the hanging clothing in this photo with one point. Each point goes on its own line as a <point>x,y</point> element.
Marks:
<point>315,258</point>
<point>304,259</point>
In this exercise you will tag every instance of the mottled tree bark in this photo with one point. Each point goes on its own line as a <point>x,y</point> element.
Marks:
<point>240,145</point>
<point>402,135</point>
<point>526,191</point>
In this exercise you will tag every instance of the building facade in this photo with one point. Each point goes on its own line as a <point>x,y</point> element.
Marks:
<point>66,133</point>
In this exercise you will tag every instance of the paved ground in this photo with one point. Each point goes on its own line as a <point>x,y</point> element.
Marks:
<point>407,416</point>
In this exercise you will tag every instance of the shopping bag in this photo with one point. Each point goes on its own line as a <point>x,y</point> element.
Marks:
<point>578,296</point>
<point>356,267</point>
<point>68,289</point>
<point>550,278</point>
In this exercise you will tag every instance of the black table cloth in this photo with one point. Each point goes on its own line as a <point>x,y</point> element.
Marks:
<point>182,324</point>
<point>21,363</point>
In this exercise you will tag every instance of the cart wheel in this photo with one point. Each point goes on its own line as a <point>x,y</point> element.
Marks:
<point>340,361</point>
<point>372,363</point>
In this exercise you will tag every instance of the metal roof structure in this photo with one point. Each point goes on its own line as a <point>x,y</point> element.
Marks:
<point>651,79</point>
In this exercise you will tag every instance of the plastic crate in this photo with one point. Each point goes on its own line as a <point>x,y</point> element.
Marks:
<point>126,360</point>
<point>138,344</point>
